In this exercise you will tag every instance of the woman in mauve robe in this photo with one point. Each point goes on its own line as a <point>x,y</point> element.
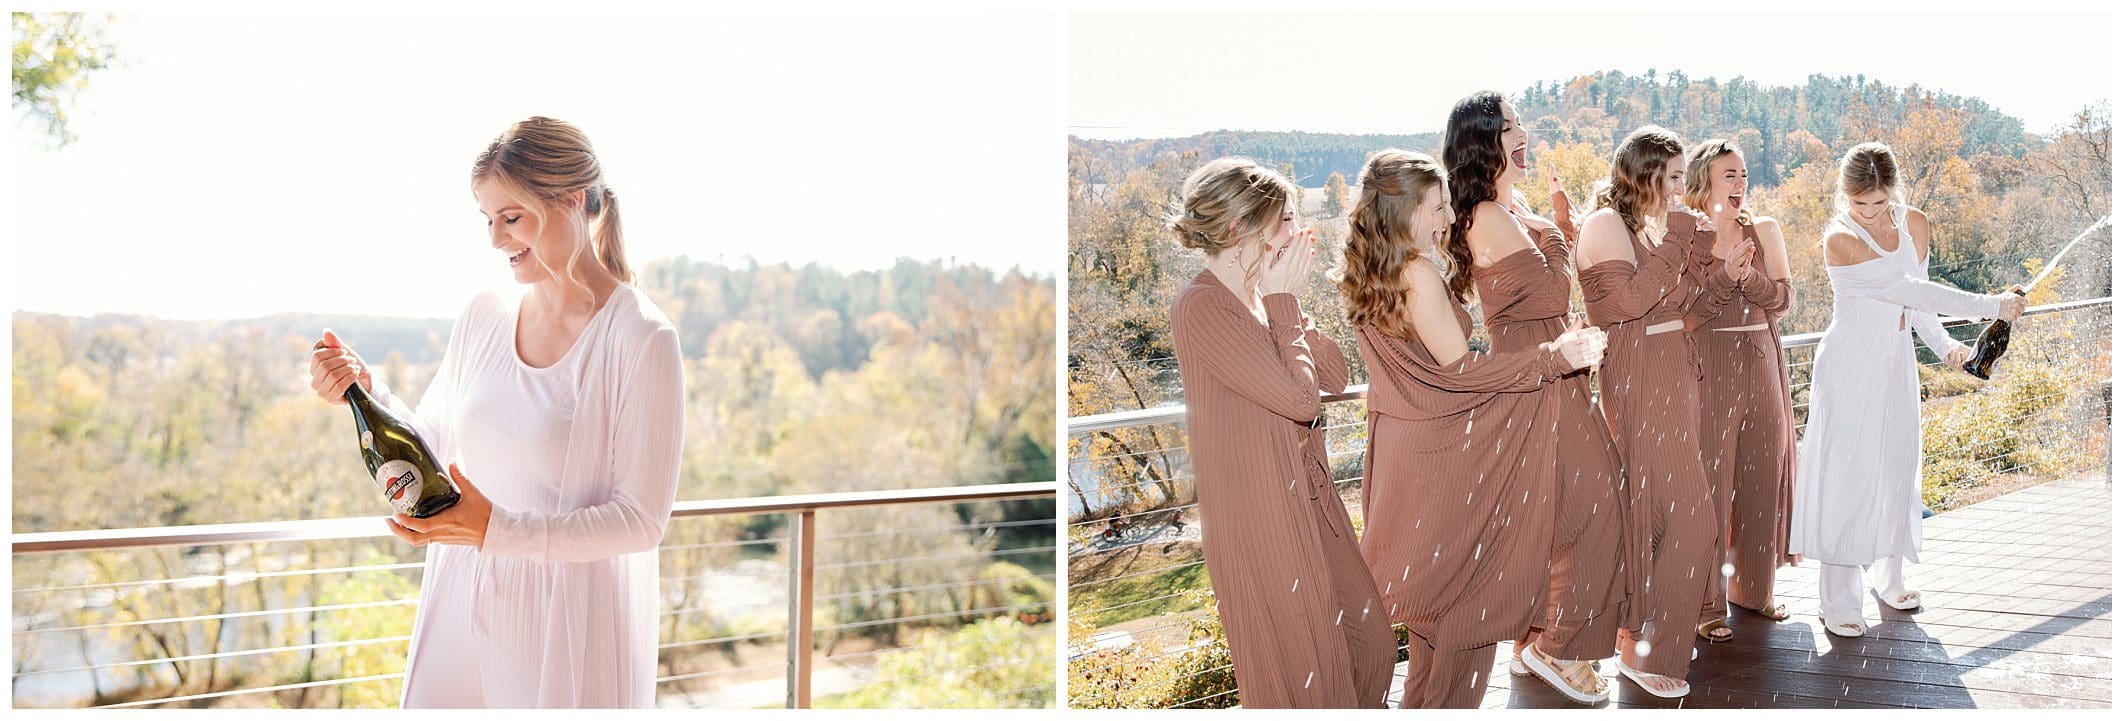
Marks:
<point>1300,615</point>
<point>1525,298</point>
<point>1649,391</point>
<point>1457,503</point>
<point>1747,402</point>
<point>1519,267</point>
<point>1298,608</point>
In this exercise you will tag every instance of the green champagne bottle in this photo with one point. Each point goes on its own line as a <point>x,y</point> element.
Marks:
<point>403,466</point>
<point>1989,347</point>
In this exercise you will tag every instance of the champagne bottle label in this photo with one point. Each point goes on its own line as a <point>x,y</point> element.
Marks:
<point>401,483</point>
<point>368,440</point>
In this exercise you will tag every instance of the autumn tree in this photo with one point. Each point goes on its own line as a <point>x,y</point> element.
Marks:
<point>2075,165</point>
<point>55,54</point>
<point>1337,193</point>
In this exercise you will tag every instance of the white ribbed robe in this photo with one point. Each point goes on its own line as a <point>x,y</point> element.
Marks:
<point>1855,498</point>
<point>581,462</point>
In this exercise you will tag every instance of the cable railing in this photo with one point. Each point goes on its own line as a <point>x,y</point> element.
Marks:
<point>318,612</point>
<point>1140,605</point>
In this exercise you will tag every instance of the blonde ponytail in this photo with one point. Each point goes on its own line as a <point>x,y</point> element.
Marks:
<point>541,161</point>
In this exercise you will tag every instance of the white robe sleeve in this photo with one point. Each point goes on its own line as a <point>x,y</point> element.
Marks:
<point>1889,284</point>
<point>431,418</point>
<point>1934,333</point>
<point>1929,328</point>
<point>645,465</point>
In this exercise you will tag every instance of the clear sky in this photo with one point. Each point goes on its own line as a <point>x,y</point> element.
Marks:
<point>242,166</point>
<point>1163,75</point>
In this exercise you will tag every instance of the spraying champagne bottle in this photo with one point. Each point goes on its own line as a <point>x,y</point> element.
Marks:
<point>1989,346</point>
<point>403,466</point>
<point>1992,343</point>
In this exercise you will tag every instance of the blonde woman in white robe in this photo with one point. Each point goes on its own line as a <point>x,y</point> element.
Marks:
<point>1855,502</point>
<point>560,408</point>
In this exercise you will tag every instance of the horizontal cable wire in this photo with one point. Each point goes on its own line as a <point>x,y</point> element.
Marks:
<point>266,689</point>
<point>244,576</point>
<point>224,654</point>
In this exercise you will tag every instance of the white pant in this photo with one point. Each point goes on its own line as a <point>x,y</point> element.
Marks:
<point>1844,591</point>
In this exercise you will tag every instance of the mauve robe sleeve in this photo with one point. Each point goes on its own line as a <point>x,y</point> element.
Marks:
<point>1474,372</point>
<point>1560,211</point>
<point>1617,291</point>
<point>1228,346</point>
<point>1774,296</point>
<point>1330,369</point>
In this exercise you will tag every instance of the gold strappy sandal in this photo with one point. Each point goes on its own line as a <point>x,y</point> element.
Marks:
<point>1708,631</point>
<point>1580,680</point>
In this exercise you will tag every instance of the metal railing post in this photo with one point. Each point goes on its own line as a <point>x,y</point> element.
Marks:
<point>803,531</point>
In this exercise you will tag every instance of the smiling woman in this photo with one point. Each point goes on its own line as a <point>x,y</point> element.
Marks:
<point>566,399</point>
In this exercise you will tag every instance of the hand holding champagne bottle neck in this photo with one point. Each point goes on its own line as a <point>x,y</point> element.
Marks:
<point>2012,303</point>
<point>335,369</point>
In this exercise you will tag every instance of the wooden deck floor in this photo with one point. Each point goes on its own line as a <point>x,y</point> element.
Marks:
<point>2017,615</point>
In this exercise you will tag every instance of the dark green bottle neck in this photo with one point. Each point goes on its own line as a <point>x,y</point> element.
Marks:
<point>358,396</point>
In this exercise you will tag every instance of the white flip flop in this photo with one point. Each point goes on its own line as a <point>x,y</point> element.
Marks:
<point>1915,600</point>
<point>1837,625</point>
<point>1637,677</point>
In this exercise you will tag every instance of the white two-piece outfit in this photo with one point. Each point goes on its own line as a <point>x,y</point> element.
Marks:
<point>1855,500</point>
<point>580,460</point>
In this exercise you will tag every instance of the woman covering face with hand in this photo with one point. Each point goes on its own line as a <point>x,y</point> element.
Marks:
<point>1304,622</point>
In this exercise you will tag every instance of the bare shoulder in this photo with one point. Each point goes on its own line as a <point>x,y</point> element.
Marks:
<point>1493,232</point>
<point>1430,312</point>
<point>1921,226</point>
<point>1769,230</point>
<point>1606,219</point>
<point>1920,230</point>
<point>1421,278</point>
<point>1604,238</point>
<point>1842,247</point>
<point>1491,215</point>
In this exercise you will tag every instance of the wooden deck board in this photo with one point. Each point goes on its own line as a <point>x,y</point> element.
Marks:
<point>2018,615</point>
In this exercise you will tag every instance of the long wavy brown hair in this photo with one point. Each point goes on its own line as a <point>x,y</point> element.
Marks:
<point>1637,180</point>
<point>1474,159</point>
<point>1390,190</point>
